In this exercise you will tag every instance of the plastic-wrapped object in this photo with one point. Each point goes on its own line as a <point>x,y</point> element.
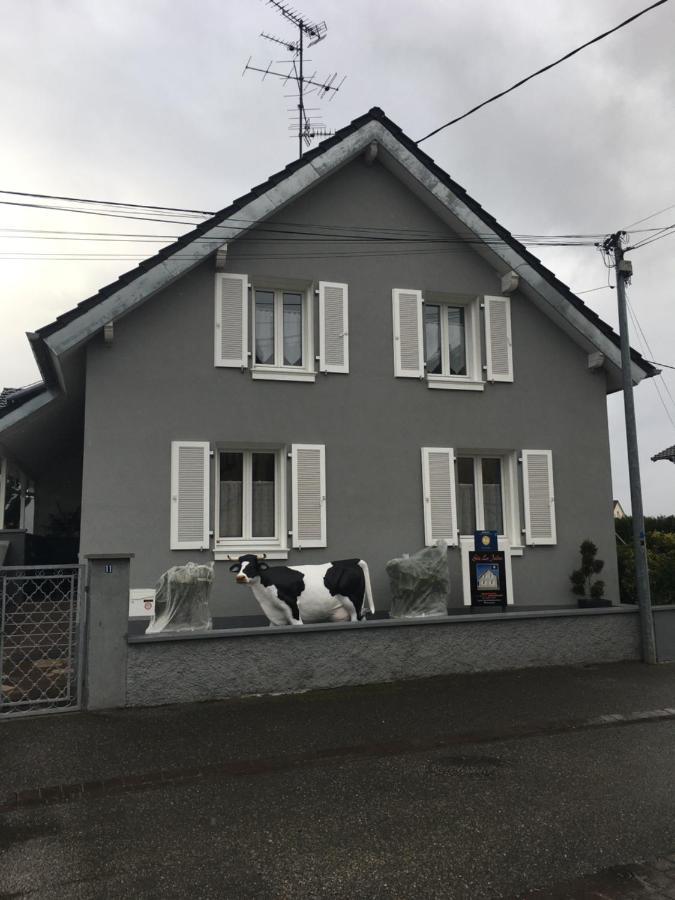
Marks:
<point>182,600</point>
<point>420,584</point>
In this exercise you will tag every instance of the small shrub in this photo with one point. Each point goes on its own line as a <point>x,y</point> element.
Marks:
<point>584,584</point>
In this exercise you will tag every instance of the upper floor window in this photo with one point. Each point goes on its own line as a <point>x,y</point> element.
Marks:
<point>279,328</point>
<point>439,337</point>
<point>445,339</point>
<point>267,326</point>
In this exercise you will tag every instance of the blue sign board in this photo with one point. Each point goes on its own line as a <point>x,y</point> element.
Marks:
<point>485,540</point>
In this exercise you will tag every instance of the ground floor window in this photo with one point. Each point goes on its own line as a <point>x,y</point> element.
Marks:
<point>251,503</point>
<point>466,490</point>
<point>17,498</point>
<point>480,495</point>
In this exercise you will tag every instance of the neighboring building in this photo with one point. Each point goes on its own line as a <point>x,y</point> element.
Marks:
<point>340,364</point>
<point>617,510</point>
<point>668,453</point>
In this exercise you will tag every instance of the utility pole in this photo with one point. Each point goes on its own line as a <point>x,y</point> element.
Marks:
<point>624,271</point>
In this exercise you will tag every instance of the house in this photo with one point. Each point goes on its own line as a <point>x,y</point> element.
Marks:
<point>668,453</point>
<point>617,510</point>
<point>352,360</point>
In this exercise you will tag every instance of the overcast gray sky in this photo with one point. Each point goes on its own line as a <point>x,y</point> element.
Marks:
<point>143,101</point>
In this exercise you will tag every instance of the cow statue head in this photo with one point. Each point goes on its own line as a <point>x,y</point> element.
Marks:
<point>248,568</point>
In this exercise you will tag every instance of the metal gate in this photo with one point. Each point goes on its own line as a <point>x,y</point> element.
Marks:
<point>41,639</point>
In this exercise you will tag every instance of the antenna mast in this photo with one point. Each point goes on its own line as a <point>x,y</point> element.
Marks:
<point>307,128</point>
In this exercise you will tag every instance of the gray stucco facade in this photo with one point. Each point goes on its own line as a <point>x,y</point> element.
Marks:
<point>157,383</point>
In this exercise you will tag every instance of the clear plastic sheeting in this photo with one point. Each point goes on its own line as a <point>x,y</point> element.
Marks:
<point>182,600</point>
<point>420,584</point>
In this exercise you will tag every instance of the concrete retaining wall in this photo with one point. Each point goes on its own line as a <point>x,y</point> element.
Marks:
<point>232,664</point>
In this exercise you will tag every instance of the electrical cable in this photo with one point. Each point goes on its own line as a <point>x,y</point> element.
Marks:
<point>649,349</point>
<point>544,69</point>
<point>665,232</point>
<point>91,212</point>
<point>281,230</point>
<point>201,212</point>
<point>647,218</point>
<point>642,337</point>
<point>603,287</point>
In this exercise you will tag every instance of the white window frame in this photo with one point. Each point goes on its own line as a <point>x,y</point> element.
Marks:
<point>510,494</point>
<point>278,371</point>
<point>473,380</point>
<point>275,547</point>
<point>26,486</point>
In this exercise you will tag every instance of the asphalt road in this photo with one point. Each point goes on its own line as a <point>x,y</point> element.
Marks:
<point>473,818</point>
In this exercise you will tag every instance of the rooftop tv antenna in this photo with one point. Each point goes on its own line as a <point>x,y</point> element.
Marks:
<point>306,127</point>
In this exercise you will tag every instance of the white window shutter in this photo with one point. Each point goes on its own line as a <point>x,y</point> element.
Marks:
<point>309,495</point>
<point>231,331</point>
<point>538,496</point>
<point>408,337</point>
<point>440,504</point>
<point>498,339</point>
<point>333,327</point>
<point>190,482</point>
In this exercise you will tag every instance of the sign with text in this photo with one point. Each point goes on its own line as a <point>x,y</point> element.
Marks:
<point>487,570</point>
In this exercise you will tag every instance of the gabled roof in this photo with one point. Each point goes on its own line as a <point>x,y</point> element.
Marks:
<point>668,453</point>
<point>404,158</point>
<point>13,398</point>
<point>5,394</point>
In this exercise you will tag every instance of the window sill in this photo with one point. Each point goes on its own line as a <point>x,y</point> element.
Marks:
<point>223,554</point>
<point>454,383</point>
<point>282,374</point>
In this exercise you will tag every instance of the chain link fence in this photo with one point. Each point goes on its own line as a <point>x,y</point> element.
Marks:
<point>41,639</point>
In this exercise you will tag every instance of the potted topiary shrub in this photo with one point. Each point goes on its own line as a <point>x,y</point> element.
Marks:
<point>585,585</point>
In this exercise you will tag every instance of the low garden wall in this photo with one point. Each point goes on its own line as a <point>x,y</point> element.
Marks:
<point>664,632</point>
<point>219,664</point>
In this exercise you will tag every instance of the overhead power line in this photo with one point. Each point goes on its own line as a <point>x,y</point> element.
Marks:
<point>91,212</point>
<point>541,71</point>
<point>664,232</point>
<point>639,333</point>
<point>201,212</point>
<point>650,216</point>
<point>663,365</point>
<point>603,287</point>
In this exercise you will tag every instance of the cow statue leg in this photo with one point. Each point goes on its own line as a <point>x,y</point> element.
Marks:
<point>348,607</point>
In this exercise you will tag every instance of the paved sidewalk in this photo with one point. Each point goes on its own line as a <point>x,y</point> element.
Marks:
<point>95,747</point>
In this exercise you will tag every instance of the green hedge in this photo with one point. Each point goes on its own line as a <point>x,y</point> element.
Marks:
<point>660,531</point>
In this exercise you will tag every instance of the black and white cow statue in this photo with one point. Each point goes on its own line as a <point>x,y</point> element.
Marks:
<point>292,595</point>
